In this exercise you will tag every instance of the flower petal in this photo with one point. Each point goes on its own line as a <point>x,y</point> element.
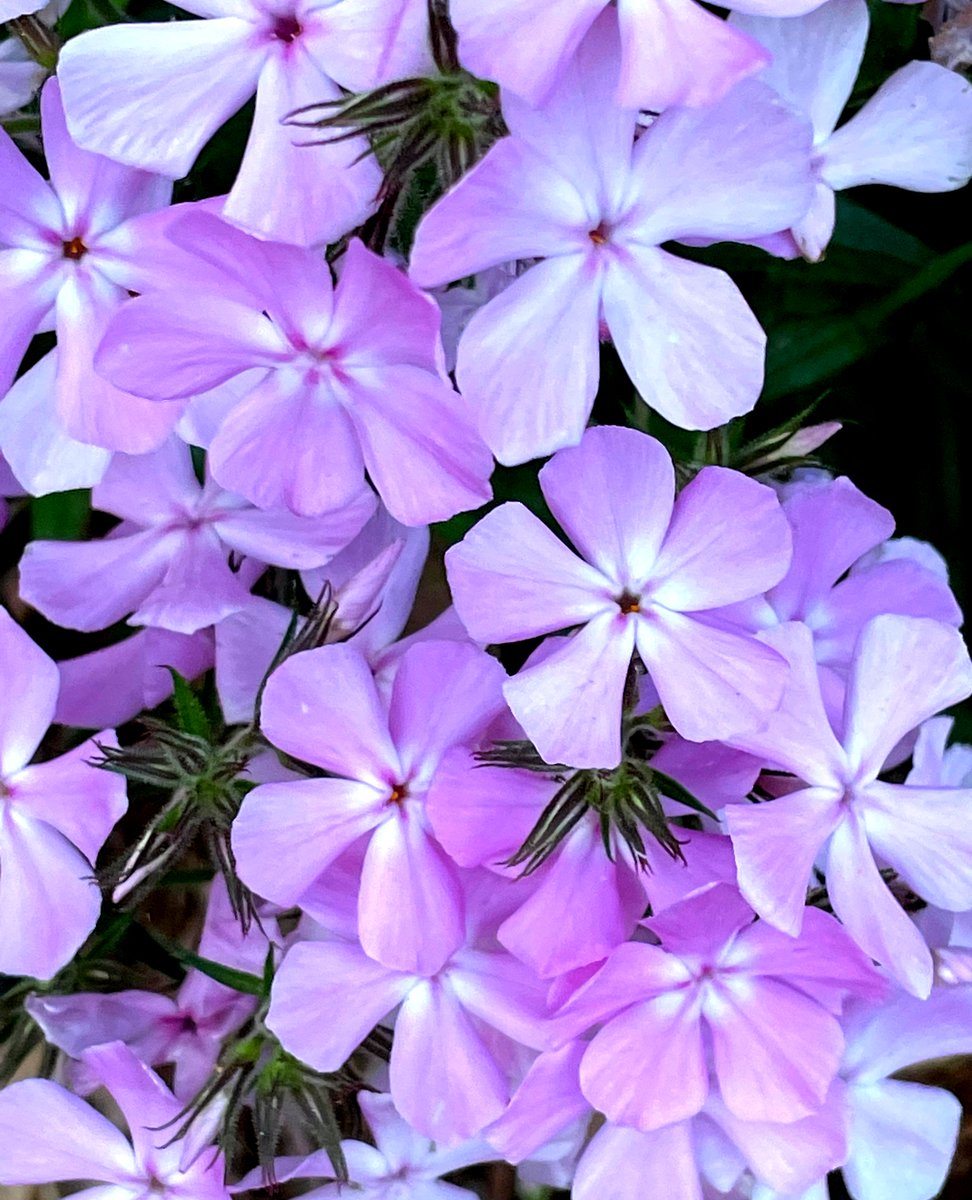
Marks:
<point>150,116</point>
<point>570,704</point>
<point>338,979</point>
<point>529,359</point>
<point>51,1135</point>
<point>685,334</point>
<point>511,578</point>
<point>306,823</point>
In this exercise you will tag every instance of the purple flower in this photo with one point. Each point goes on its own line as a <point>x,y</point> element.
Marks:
<point>356,368</point>
<point>673,51</point>
<point>187,1030</point>
<point>70,251</point>
<point>765,1001</point>
<point>54,818</point>
<point>459,1029</point>
<point>844,572</point>
<point>51,1136</point>
<point>322,706</point>
<point>573,187</point>
<point>905,669</point>
<point>126,98</point>
<point>915,132</point>
<point>647,567</point>
<point>170,562</point>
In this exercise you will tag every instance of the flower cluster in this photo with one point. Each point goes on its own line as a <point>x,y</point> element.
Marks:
<point>648,857</point>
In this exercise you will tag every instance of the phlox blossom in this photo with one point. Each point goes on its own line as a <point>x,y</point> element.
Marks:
<point>355,368</point>
<point>646,567</point>
<point>151,95</point>
<point>171,562</point>
<point>915,132</point>
<point>904,670</point>
<point>572,186</point>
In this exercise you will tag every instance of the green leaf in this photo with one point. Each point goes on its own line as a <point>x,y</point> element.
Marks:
<point>61,516</point>
<point>803,353</point>
<point>239,981</point>
<point>190,714</point>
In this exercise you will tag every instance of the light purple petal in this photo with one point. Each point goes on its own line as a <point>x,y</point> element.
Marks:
<point>816,55</point>
<point>714,684</point>
<point>288,188</point>
<point>902,1138</point>
<point>444,1081</point>
<point>674,52</point>
<point>145,1102</point>
<point>43,456</point>
<point>613,496</point>
<point>833,525</point>
<point>710,558</point>
<point>322,706</point>
<point>96,194</point>
<point>342,981</point>
<point>110,686</point>
<point>422,452</point>
<point>92,408</point>
<point>49,1134</point>
<point>776,1052</point>
<point>444,694</point>
<point>369,285</point>
<point>490,217</point>
<point>286,540</point>
<point>873,917</point>
<point>511,578</point>
<point>646,1068</point>
<point>633,972</point>
<point>529,359</point>
<point>481,814</point>
<point>598,902</point>
<point>410,907</point>
<point>619,1160</point>
<point>254,452</point>
<point>570,704</point>
<point>151,116</point>
<point>547,1101</point>
<point>172,345</point>
<point>906,669</point>
<point>372,42</point>
<point>91,585</point>
<point>525,47</point>
<point>798,737</point>
<point>776,844</point>
<point>685,334</point>
<point>925,834</point>
<point>503,994</point>
<point>28,697</point>
<point>199,587</point>
<point>306,824</point>
<point>48,896</point>
<point>29,209</point>
<point>71,795</point>
<point>924,112</point>
<point>28,287</point>
<point>150,489</point>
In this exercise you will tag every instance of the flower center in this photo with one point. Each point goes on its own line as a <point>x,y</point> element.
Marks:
<point>399,793</point>
<point>628,602</point>
<point>601,235</point>
<point>75,248</point>
<point>286,29</point>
